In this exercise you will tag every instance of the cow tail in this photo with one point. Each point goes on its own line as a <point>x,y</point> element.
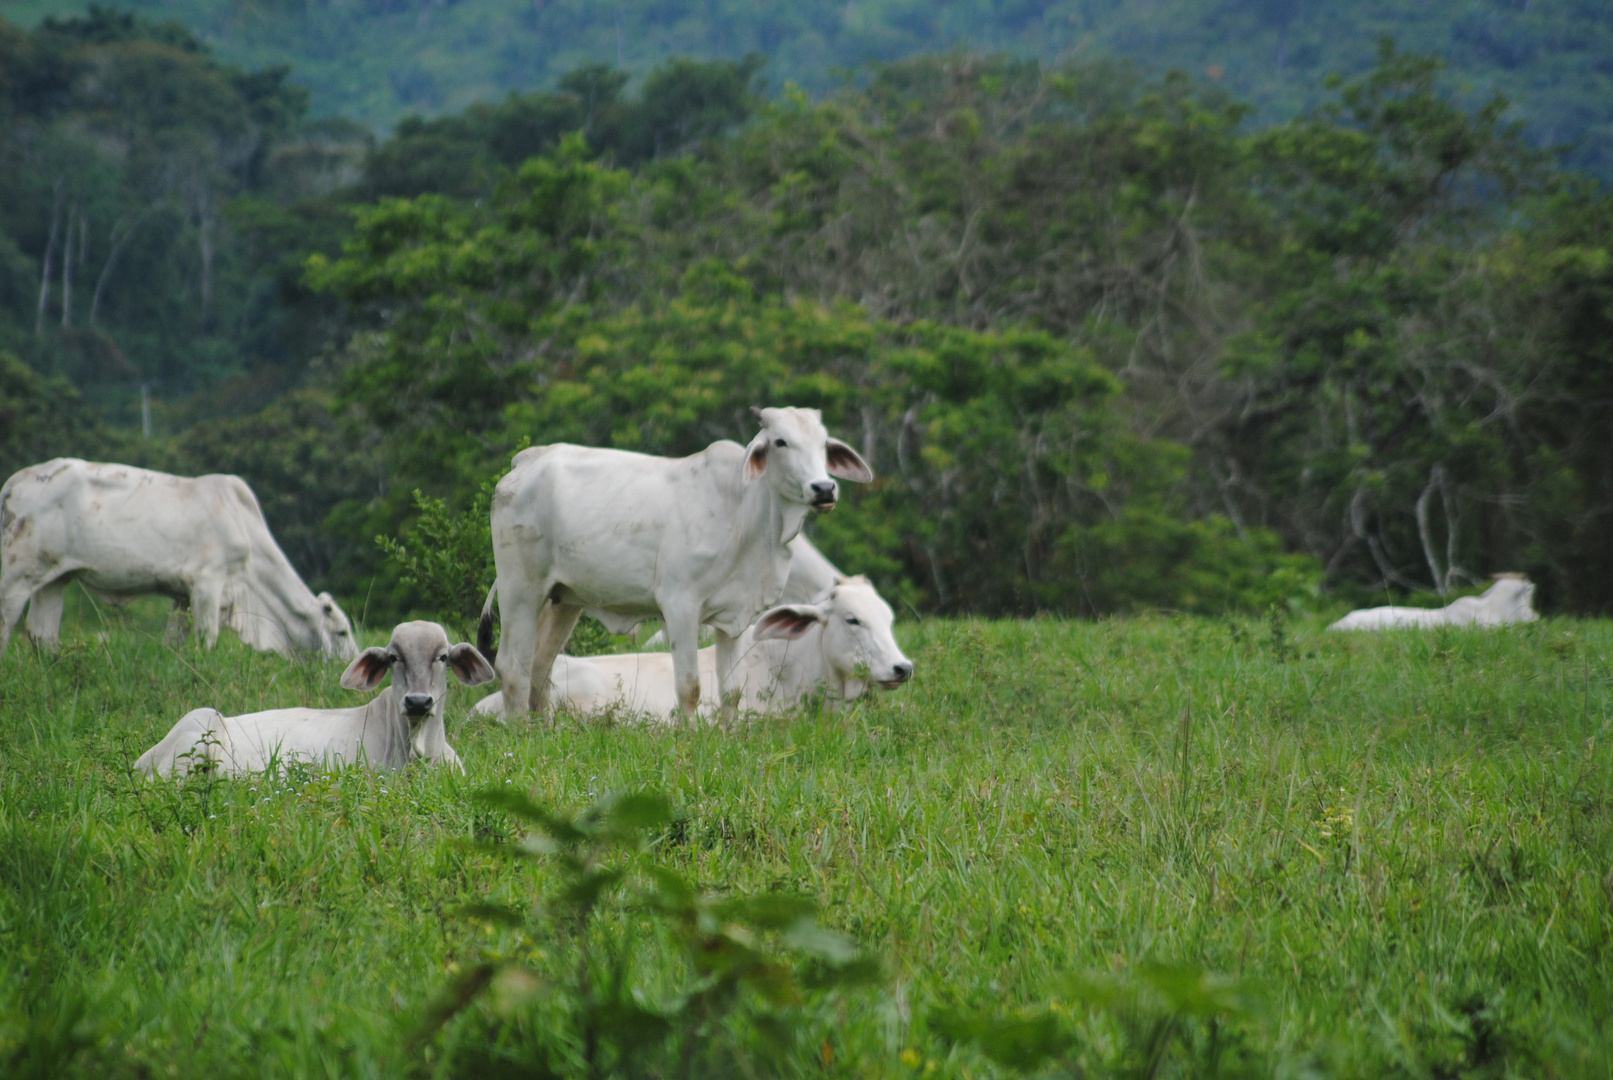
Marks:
<point>484,628</point>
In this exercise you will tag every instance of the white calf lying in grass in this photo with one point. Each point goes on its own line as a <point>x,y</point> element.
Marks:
<point>1509,600</point>
<point>401,724</point>
<point>841,643</point>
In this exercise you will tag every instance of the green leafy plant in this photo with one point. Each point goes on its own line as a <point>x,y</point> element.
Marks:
<point>1162,1019</point>
<point>448,557</point>
<point>742,979</point>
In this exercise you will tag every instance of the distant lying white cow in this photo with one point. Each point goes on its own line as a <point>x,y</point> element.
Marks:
<point>1509,600</point>
<point>403,723</point>
<point>623,537</point>
<point>123,532</point>
<point>838,644</point>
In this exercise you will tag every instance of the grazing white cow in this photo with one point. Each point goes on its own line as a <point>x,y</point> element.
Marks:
<point>840,643</point>
<point>1509,600</point>
<point>403,723</point>
<point>123,532</point>
<point>624,536</point>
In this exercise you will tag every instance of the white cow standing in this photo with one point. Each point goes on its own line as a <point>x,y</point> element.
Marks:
<point>403,723</point>
<point>838,644</point>
<point>1509,600</point>
<point>123,532</point>
<point>624,536</point>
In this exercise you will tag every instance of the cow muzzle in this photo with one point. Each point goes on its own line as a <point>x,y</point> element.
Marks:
<point>823,495</point>
<point>900,673</point>
<point>417,705</point>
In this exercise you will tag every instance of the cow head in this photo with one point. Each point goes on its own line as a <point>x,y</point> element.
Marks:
<point>856,627</point>
<point>419,659</point>
<point>335,630</point>
<point>1510,599</point>
<point>799,459</point>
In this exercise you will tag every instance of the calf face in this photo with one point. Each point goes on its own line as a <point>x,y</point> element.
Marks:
<point>856,632</point>
<point>419,658</point>
<point>794,451</point>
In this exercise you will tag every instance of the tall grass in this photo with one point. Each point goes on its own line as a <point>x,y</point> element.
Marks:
<point>1403,843</point>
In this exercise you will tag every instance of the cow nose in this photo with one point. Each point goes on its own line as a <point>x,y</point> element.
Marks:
<point>417,704</point>
<point>904,670</point>
<point>823,491</point>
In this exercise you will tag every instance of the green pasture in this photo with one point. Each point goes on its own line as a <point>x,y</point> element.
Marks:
<point>1402,845</point>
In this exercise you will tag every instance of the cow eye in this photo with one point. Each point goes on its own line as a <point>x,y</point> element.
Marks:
<point>443,659</point>
<point>780,442</point>
<point>851,621</point>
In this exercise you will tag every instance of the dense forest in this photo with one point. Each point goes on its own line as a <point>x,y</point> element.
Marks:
<point>1109,343</point>
<point>377,61</point>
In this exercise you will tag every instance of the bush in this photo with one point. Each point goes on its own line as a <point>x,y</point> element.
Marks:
<point>737,996</point>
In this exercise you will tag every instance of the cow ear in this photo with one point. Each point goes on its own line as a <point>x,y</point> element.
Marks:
<point>788,621</point>
<point>367,669</point>
<point>756,459</point>
<point>469,665</point>
<point>847,464</point>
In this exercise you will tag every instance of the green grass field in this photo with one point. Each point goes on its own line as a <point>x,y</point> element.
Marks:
<point>1402,844</point>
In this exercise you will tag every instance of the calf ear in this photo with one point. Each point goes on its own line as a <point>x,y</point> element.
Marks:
<point>469,665</point>
<point>367,669</point>
<point>788,621</point>
<point>756,459</point>
<point>847,464</point>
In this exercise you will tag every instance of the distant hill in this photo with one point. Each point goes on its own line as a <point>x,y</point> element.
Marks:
<point>377,60</point>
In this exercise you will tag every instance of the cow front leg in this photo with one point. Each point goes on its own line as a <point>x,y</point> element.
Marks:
<point>45,614</point>
<point>555,625</point>
<point>13,602</point>
<point>683,637</point>
<point>727,685</point>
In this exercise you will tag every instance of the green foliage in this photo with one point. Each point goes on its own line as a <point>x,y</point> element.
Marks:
<point>447,559</point>
<point>751,979</point>
<point>1145,558</point>
<point>1162,1020</point>
<point>40,418</point>
<point>382,60</point>
<point>133,244</point>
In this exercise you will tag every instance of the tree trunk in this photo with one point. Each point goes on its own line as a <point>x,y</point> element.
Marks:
<point>111,259</point>
<point>67,267</point>
<point>205,239</point>
<point>50,253</point>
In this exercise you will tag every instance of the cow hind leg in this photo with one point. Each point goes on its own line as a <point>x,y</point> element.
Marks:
<point>517,644</point>
<point>727,688</point>
<point>45,613</point>
<point>555,624</point>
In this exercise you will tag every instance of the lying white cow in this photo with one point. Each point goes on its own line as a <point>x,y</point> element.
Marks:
<point>403,723</point>
<point>792,652</point>
<point>623,537</point>
<point>123,532</point>
<point>1509,600</point>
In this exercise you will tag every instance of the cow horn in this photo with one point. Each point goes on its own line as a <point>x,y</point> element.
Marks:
<point>756,411</point>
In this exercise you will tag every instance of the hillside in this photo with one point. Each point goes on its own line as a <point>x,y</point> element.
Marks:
<point>377,60</point>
